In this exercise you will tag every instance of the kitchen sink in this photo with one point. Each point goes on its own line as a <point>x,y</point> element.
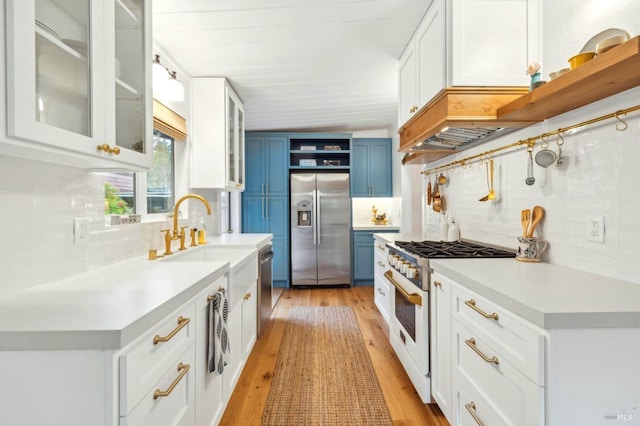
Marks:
<point>243,265</point>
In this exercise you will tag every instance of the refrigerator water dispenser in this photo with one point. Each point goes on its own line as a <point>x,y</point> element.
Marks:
<point>304,213</point>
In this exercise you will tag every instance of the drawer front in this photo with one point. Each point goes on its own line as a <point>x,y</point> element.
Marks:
<point>382,296</point>
<point>171,401</point>
<point>242,277</point>
<point>363,237</point>
<point>145,362</point>
<point>516,340</point>
<point>497,387</point>
<point>380,262</point>
<point>380,247</point>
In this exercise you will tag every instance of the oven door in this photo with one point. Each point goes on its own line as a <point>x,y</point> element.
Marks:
<point>410,320</point>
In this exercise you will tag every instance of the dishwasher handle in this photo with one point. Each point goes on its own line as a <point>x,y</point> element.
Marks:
<point>266,258</point>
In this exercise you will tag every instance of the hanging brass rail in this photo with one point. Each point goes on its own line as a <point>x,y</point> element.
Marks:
<point>530,142</point>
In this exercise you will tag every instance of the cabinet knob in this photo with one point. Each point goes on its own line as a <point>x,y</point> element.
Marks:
<point>437,283</point>
<point>247,296</point>
<point>106,148</point>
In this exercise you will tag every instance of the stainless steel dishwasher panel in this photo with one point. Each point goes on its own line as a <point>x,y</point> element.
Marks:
<point>265,281</point>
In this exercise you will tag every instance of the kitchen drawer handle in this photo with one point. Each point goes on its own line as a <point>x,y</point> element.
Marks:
<point>381,292</point>
<point>380,263</point>
<point>437,283</point>
<point>380,247</point>
<point>471,408</point>
<point>472,344</point>
<point>414,298</point>
<point>472,304</point>
<point>181,323</point>
<point>183,369</point>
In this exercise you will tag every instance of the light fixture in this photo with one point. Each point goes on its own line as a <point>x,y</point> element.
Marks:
<point>165,82</point>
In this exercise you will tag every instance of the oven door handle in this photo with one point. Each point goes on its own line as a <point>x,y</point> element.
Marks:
<point>414,298</point>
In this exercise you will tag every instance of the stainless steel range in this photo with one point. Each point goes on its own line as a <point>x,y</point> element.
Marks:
<point>409,272</point>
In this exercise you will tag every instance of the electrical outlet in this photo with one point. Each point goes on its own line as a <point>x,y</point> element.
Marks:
<point>595,229</point>
<point>80,231</point>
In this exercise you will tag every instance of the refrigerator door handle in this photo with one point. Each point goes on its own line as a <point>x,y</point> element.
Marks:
<point>314,217</point>
<point>319,215</point>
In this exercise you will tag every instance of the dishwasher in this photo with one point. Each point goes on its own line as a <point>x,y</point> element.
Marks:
<point>265,280</point>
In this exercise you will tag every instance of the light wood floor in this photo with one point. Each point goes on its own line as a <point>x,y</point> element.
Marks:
<point>247,402</point>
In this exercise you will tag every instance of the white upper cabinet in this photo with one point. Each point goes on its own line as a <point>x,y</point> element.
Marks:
<point>467,43</point>
<point>217,150</point>
<point>77,86</point>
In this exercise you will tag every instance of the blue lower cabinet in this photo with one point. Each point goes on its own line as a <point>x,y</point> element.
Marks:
<point>363,257</point>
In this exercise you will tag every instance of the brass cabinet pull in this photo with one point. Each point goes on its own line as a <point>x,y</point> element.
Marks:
<point>181,323</point>
<point>472,344</point>
<point>472,304</point>
<point>210,298</point>
<point>247,296</point>
<point>437,283</point>
<point>183,369</point>
<point>381,247</point>
<point>381,292</point>
<point>414,298</point>
<point>380,264</point>
<point>471,408</point>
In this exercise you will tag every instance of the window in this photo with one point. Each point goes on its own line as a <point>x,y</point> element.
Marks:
<point>156,186</point>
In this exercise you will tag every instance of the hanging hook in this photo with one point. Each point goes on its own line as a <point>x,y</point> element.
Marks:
<point>621,121</point>
<point>545,143</point>
<point>561,139</point>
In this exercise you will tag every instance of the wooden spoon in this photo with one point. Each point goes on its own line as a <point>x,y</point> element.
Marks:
<point>525,218</point>
<point>538,214</point>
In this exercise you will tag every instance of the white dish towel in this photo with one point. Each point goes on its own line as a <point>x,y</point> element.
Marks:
<point>218,351</point>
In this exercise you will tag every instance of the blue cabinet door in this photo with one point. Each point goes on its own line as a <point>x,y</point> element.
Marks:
<point>359,175</point>
<point>371,168</point>
<point>363,258</point>
<point>253,213</point>
<point>381,168</point>
<point>276,166</point>
<point>254,166</point>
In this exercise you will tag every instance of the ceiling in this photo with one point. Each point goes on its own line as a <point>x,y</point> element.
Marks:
<point>303,65</point>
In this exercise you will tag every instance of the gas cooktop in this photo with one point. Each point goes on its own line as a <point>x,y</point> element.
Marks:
<point>458,249</point>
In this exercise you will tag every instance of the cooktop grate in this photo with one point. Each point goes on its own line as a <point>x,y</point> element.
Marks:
<point>460,249</point>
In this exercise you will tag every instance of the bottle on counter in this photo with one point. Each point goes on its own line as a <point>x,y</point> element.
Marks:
<point>444,228</point>
<point>453,234</point>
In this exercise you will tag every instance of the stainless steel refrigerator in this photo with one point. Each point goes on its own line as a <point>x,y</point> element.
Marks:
<point>320,229</point>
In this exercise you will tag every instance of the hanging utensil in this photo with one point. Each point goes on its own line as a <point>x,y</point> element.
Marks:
<point>429,193</point>
<point>492,194</point>
<point>442,179</point>
<point>530,179</point>
<point>538,214</point>
<point>437,199</point>
<point>560,160</point>
<point>545,157</point>
<point>525,218</point>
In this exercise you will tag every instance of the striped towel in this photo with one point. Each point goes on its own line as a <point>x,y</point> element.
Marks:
<point>218,351</point>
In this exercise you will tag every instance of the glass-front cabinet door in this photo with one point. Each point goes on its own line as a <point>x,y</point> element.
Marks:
<point>235,141</point>
<point>63,57</point>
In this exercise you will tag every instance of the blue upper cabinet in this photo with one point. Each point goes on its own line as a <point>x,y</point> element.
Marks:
<point>371,167</point>
<point>266,165</point>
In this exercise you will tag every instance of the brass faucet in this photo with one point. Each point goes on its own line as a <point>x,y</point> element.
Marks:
<point>175,234</point>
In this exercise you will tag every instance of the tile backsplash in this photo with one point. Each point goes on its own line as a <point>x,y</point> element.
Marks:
<point>40,201</point>
<point>598,178</point>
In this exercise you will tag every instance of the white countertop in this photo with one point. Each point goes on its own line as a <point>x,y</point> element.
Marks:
<point>391,238</point>
<point>372,227</point>
<point>245,240</point>
<point>102,309</point>
<point>549,296</point>
<point>109,307</point>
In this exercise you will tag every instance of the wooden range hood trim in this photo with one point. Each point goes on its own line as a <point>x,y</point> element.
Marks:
<point>461,107</point>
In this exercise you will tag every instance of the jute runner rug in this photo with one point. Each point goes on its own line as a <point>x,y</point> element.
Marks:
<point>323,374</point>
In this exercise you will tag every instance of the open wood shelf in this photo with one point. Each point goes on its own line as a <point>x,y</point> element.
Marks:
<point>612,72</point>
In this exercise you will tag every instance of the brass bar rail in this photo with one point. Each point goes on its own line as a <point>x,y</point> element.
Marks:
<point>530,142</point>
